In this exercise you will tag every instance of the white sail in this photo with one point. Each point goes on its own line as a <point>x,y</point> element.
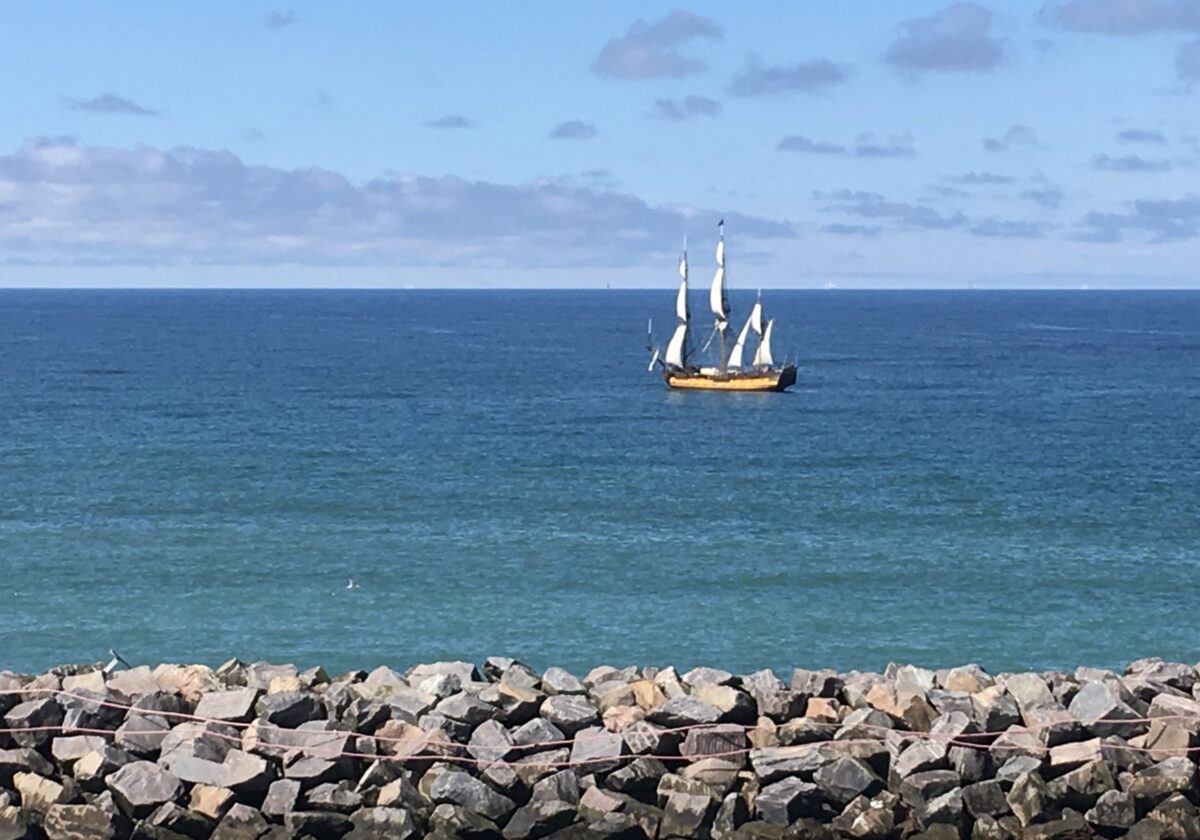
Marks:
<point>675,347</point>
<point>735,358</point>
<point>683,266</point>
<point>763,355</point>
<point>681,306</point>
<point>716,295</point>
<point>755,321</point>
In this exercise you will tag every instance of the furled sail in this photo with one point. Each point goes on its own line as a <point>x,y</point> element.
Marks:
<point>735,358</point>
<point>681,304</point>
<point>763,355</point>
<point>675,348</point>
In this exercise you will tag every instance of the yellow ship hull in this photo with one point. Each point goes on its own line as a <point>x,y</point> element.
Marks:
<point>773,380</point>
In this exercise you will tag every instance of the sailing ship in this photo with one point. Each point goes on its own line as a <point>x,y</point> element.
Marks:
<point>731,372</point>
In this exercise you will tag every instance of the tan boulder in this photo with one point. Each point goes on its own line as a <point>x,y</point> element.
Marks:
<point>191,681</point>
<point>212,802</point>
<point>823,710</point>
<point>617,718</point>
<point>647,694</point>
<point>41,794</point>
<point>764,734</point>
<point>280,684</point>
<point>91,681</point>
<point>1167,740</point>
<point>134,682</point>
<point>882,696</point>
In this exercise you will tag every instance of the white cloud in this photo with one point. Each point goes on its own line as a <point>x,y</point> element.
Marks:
<point>63,202</point>
<point>651,50</point>
<point>817,75</point>
<point>957,37</point>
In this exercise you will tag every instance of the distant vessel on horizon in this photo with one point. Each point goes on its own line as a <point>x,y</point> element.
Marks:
<point>730,373</point>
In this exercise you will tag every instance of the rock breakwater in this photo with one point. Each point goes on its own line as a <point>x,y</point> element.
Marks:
<point>256,750</point>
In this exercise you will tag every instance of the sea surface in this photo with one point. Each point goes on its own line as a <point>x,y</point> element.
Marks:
<point>1008,478</point>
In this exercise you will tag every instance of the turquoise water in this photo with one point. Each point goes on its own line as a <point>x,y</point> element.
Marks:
<point>1008,478</point>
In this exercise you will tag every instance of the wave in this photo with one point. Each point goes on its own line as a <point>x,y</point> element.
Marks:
<point>1109,330</point>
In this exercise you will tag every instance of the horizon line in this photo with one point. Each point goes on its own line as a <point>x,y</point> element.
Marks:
<point>655,289</point>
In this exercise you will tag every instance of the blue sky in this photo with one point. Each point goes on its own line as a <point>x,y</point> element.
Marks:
<point>1031,143</point>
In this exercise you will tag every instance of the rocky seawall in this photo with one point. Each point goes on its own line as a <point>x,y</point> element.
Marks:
<point>454,750</point>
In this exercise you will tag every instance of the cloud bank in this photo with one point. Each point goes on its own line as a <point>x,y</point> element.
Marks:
<point>451,121</point>
<point>1159,220</point>
<point>1141,135</point>
<point>758,79</point>
<point>111,103</point>
<point>1125,17</point>
<point>887,214</point>
<point>280,20</point>
<point>872,205</point>
<point>865,145</point>
<point>1134,17</point>
<point>685,109</point>
<point>957,38</point>
<point>573,130</point>
<point>62,202</point>
<point>1187,62</point>
<point>1017,135</point>
<point>1128,163</point>
<point>651,50</point>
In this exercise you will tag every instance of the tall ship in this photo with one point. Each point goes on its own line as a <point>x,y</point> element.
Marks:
<point>733,369</point>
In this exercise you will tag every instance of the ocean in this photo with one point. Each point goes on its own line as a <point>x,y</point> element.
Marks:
<point>1008,478</point>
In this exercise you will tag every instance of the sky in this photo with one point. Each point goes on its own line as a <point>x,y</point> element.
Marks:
<point>873,144</point>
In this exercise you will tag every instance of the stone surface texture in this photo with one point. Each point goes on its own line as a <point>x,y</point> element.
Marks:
<point>452,749</point>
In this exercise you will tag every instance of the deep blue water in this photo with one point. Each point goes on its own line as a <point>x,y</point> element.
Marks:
<point>1002,477</point>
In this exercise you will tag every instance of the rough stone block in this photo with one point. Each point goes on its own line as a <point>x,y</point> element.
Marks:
<point>140,787</point>
<point>775,763</point>
<point>40,719</point>
<point>289,709</point>
<point>557,681</point>
<point>539,818</point>
<point>40,794</point>
<point>638,777</point>
<point>726,741</point>
<point>1114,810</point>
<point>845,779</point>
<point>83,822</point>
<point>333,796</point>
<point>491,742</point>
<point>687,815</point>
<point>596,750</point>
<point>22,760</point>
<point>1098,705</point>
<point>236,705</point>
<point>211,802</point>
<point>382,824</point>
<point>682,711</point>
<point>570,712</point>
<point>785,801</point>
<point>458,788</point>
